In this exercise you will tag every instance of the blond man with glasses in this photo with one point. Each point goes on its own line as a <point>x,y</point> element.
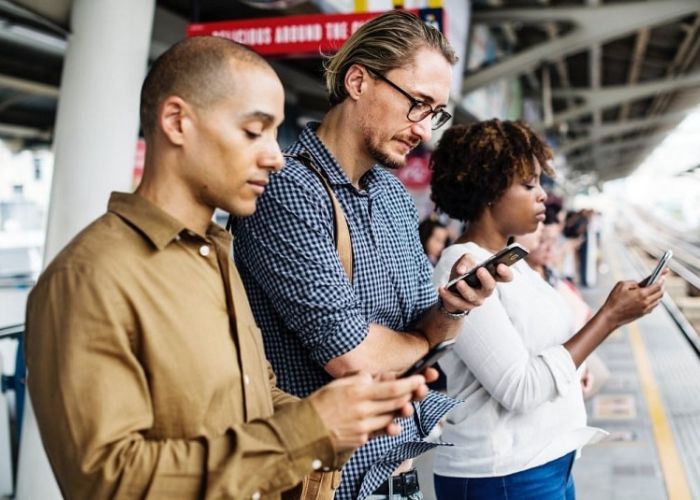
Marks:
<point>388,88</point>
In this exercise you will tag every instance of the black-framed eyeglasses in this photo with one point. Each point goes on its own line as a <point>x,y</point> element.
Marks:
<point>419,110</point>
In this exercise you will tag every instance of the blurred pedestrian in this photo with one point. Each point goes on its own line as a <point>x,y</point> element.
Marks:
<point>434,237</point>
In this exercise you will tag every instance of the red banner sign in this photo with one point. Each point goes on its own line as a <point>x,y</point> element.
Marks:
<point>416,173</point>
<point>298,35</point>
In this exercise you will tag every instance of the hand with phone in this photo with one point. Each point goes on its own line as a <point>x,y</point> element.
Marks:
<point>429,359</point>
<point>508,256</point>
<point>629,301</point>
<point>471,283</point>
<point>657,271</point>
<point>358,407</point>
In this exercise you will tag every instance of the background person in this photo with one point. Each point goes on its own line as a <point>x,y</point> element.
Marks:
<point>146,369</point>
<point>543,245</point>
<point>388,86</point>
<point>514,363</point>
<point>434,237</point>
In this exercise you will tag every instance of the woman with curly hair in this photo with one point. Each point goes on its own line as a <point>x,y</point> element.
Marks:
<point>515,361</point>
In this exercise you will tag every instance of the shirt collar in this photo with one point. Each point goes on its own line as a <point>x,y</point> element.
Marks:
<point>153,222</point>
<point>327,162</point>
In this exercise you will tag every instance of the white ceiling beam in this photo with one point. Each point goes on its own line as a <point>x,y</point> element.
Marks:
<point>617,94</point>
<point>617,128</point>
<point>28,87</point>
<point>593,25</point>
<point>19,132</point>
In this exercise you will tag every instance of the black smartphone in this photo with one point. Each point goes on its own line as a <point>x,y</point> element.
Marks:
<point>429,359</point>
<point>654,276</point>
<point>508,256</point>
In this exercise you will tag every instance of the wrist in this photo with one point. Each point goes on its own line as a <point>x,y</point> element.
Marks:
<point>450,314</point>
<point>609,320</point>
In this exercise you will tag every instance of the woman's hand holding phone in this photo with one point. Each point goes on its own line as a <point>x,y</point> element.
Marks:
<point>629,301</point>
<point>657,271</point>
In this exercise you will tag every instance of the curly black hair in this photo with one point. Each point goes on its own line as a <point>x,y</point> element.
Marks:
<point>474,164</point>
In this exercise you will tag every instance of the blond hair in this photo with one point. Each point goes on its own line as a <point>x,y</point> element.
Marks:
<point>386,42</point>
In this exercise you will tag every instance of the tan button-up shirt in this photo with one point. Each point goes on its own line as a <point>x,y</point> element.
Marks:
<point>148,374</point>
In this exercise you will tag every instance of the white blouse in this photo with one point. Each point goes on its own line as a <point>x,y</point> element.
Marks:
<point>523,405</point>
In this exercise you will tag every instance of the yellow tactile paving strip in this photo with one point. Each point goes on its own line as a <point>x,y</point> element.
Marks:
<point>675,480</point>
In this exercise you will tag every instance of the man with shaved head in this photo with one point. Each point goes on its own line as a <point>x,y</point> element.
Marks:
<point>146,368</point>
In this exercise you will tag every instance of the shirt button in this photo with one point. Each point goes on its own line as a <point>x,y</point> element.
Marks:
<point>256,496</point>
<point>204,250</point>
<point>316,464</point>
<point>326,469</point>
<point>246,379</point>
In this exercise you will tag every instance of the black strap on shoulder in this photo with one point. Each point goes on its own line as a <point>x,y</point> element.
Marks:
<point>229,223</point>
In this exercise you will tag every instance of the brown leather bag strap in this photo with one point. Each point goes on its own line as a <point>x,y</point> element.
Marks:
<point>341,231</point>
<point>316,486</point>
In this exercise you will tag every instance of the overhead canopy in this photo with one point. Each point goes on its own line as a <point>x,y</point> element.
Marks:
<point>616,77</point>
<point>612,78</point>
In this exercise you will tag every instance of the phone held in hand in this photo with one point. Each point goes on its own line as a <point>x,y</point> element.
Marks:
<point>429,359</point>
<point>508,256</point>
<point>654,276</point>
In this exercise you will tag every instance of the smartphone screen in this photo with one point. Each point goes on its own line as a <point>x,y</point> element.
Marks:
<point>654,276</point>
<point>430,358</point>
<point>508,256</point>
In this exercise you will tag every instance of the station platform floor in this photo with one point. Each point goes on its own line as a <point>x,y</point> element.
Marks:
<point>650,405</point>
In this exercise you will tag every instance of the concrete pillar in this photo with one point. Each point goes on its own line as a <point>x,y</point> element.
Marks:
<point>94,145</point>
<point>97,120</point>
<point>458,25</point>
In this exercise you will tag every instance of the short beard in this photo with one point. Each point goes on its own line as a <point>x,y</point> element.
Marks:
<point>378,155</point>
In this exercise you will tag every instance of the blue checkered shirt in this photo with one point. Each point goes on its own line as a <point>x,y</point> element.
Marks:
<point>306,307</point>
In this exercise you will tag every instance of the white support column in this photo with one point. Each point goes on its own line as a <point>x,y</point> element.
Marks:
<point>458,13</point>
<point>95,143</point>
<point>97,120</point>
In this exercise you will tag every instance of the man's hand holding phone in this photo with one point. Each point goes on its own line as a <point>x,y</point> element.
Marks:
<point>358,407</point>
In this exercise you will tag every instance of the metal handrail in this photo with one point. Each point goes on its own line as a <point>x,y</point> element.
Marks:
<point>657,240</point>
<point>11,332</point>
<point>686,328</point>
